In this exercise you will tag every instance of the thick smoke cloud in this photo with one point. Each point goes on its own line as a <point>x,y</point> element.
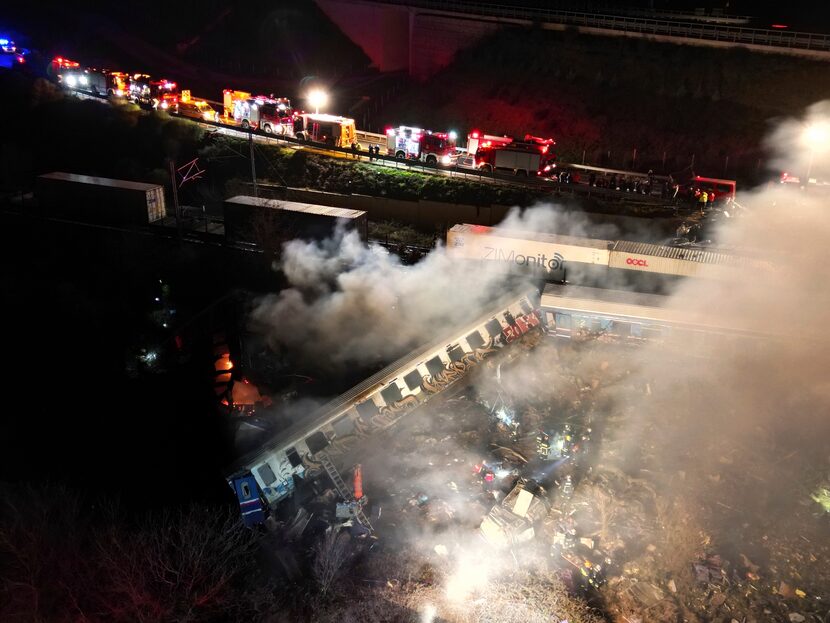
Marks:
<point>731,439</point>
<point>352,304</point>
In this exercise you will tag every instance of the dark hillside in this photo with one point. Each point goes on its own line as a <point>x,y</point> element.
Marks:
<point>610,96</point>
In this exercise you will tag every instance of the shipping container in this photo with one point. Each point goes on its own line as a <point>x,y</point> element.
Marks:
<point>99,199</point>
<point>682,261</point>
<point>553,254</point>
<point>268,222</point>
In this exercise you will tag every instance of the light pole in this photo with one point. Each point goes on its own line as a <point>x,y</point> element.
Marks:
<point>317,98</point>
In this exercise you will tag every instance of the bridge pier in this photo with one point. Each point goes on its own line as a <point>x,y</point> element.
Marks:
<point>400,38</point>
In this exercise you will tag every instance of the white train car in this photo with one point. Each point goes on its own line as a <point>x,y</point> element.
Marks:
<point>590,261</point>
<point>548,253</point>
<point>264,478</point>
<point>623,317</point>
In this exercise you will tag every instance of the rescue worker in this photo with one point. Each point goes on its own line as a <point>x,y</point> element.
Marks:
<point>592,573</point>
<point>711,197</point>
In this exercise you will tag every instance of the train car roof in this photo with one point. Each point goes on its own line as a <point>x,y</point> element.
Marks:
<point>98,181</point>
<point>293,206</point>
<point>592,243</point>
<point>625,304</point>
<point>702,255</point>
<point>321,416</point>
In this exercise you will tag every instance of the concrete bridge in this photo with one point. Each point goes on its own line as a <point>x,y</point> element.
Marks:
<point>422,36</point>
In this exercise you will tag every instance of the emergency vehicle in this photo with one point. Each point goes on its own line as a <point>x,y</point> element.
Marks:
<point>272,115</point>
<point>328,129</point>
<point>118,84</point>
<point>86,80</point>
<point>414,143</point>
<point>161,94</point>
<point>531,156</point>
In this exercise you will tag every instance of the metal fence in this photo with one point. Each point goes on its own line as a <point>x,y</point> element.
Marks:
<point>687,28</point>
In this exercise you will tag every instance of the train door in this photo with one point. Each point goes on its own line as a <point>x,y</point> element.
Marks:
<point>250,502</point>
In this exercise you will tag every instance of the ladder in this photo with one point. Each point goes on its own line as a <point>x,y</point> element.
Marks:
<point>343,490</point>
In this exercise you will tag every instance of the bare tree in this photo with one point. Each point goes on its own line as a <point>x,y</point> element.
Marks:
<point>331,554</point>
<point>177,566</point>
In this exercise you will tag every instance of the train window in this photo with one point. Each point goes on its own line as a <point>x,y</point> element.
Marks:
<point>316,442</point>
<point>509,318</point>
<point>246,490</point>
<point>344,426</point>
<point>563,321</point>
<point>652,332</point>
<point>391,394</point>
<point>493,327</point>
<point>456,353</point>
<point>619,328</point>
<point>637,330</point>
<point>294,458</point>
<point>526,308</point>
<point>475,340</point>
<point>413,379</point>
<point>367,409</point>
<point>435,365</point>
<point>266,474</point>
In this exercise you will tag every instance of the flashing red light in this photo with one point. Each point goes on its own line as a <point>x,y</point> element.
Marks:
<point>474,134</point>
<point>545,149</point>
<point>64,62</point>
<point>780,26</point>
<point>21,59</point>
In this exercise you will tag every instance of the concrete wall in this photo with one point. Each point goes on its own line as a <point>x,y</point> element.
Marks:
<point>424,214</point>
<point>381,31</point>
<point>399,38</point>
<point>436,39</point>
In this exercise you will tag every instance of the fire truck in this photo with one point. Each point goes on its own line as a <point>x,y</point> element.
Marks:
<point>531,156</point>
<point>160,94</point>
<point>272,115</point>
<point>86,80</point>
<point>118,84</point>
<point>329,129</point>
<point>414,143</point>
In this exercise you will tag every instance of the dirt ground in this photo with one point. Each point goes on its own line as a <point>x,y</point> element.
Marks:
<point>692,513</point>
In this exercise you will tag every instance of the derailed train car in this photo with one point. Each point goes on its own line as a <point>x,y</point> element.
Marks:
<point>266,477</point>
<point>588,261</point>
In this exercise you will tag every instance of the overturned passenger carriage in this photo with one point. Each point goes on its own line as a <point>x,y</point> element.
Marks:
<point>266,477</point>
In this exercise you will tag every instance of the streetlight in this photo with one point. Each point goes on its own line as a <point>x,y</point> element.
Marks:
<point>317,98</point>
<point>814,136</point>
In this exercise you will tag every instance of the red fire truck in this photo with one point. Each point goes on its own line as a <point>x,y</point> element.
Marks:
<point>531,156</point>
<point>160,94</point>
<point>414,143</point>
<point>272,115</point>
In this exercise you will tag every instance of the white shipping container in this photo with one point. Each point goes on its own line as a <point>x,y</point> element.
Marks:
<point>548,251</point>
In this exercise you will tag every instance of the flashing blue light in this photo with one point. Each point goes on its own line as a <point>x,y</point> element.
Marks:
<point>4,42</point>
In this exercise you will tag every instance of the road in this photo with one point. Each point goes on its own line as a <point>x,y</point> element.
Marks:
<point>542,184</point>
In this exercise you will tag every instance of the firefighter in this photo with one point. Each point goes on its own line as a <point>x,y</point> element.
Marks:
<point>702,199</point>
<point>592,573</point>
<point>543,445</point>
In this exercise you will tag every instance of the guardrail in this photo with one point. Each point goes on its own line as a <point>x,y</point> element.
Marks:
<point>653,26</point>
